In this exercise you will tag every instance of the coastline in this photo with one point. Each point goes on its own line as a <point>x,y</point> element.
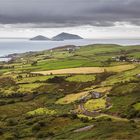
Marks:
<point>5,59</point>
<point>11,48</point>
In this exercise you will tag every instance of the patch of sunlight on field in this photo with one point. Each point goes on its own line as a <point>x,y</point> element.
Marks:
<point>122,77</point>
<point>84,116</point>
<point>121,68</point>
<point>81,78</point>
<point>71,98</point>
<point>94,104</point>
<point>34,79</point>
<point>103,89</point>
<point>8,91</point>
<point>41,111</point>
<point>81,70</point>
<point>88,70</point>
<point>137,106</point>
<point>114,118</point>
<point>28,87</point>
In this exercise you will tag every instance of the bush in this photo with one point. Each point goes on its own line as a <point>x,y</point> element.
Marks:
<point>56,79</point>
<point>2,103</point>
<point>122,115</point>
<point>36,127</point>
<point>41,135</point>
<point>131,112</point>
<point>84,119</point>
<point>131,121</point>
<point>73,116</point>
<point>11,102</point>
<point>12,122</point>
<point>1,131</point>
<point>34,63</point>
<point>27,117</point>
<point>64,115</point>
<point>138,114</point>
<point>7,82</point>
<point>49,134</point>
<point>42,123</point>
<point>103,76</point>
<point>108,119</point>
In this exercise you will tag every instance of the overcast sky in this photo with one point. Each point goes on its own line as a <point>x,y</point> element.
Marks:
<point>88,18</point>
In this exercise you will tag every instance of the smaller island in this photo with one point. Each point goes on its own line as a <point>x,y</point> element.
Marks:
<point>66,36</point>
<point>40,38</point>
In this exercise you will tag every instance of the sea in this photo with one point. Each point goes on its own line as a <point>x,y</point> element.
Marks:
<point>11,46</point>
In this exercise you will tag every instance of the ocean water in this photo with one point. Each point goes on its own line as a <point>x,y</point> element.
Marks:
<point>10,46</point>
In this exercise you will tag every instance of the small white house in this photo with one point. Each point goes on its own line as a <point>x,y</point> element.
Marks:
<point>95,95</point>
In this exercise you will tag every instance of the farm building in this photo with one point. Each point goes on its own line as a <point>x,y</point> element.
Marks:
<point>95,95</point>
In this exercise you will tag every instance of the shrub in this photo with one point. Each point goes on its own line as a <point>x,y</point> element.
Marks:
<point>122,115</point>
<point>7,82</point>
<point>103,76</point>
<point>42,123</point>
<point>131,112</point>
<point>1,131</point>
<point>73,116</point>
<point>27,117</point>
<point>56,79</point>
<point>2,103</point>
<point>108,119</point>
<point>131,121</point>
<point>11,102</point>
<point>138,114</point>
<point>133,125</point>
<point>49,134</point>
<point>34,63</point>
<point>36,127</point>
<point>64,115</point>
<point>41,135</point>
<point>84,119</point>
<point>12,122</point>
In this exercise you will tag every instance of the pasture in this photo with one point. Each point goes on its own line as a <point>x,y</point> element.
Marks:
<point>95,104</point>
<point>87,70</point>
<point>43,94</point>
<point>71,98</point>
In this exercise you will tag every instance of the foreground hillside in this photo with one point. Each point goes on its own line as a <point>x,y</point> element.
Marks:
<point>71,93</point>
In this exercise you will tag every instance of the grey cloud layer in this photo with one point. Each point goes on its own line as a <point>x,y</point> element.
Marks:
<point>47,13</point>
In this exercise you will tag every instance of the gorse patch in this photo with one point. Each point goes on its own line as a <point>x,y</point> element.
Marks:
<point>41,111</point>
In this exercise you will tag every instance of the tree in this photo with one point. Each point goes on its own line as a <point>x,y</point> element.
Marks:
<point>34,63</point>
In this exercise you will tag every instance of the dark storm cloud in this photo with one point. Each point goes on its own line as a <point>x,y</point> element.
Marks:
<point>61,13</point>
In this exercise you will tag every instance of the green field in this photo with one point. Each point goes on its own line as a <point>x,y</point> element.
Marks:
<point>95,104</point>
<point>48,95</point>
<point>81,78</point>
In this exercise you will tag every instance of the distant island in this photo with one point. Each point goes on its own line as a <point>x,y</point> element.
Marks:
<point>65,36</point>
<point>40,37</point>
<point>59,37</point>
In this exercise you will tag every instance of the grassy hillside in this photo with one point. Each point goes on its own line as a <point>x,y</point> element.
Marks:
<point>78,93</point>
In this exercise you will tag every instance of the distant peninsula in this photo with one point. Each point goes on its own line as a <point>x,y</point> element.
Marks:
<point>66,36</point>
<point>40,38</point>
